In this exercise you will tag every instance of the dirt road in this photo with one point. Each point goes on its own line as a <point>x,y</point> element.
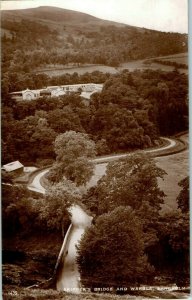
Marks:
<point>69,277</point>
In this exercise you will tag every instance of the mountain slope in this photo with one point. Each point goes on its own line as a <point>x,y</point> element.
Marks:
<point>35,37</point>
<point>54,16</point>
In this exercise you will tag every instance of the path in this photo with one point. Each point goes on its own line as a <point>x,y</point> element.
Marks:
<point>171,144</point>
<point>69,277</point>
<point>35,185</point>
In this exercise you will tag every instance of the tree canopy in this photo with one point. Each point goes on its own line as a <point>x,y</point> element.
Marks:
<point>183,197</point>
<point>73,158</point>
<point>111,253</point>
<point>58,198</point>
<point>131,181</point>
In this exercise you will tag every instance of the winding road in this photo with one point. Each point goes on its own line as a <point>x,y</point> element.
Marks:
<point>68,278</point>
<point>36,186</point>
<point>171,144</point>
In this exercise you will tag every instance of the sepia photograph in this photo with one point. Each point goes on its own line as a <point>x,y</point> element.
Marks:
<point>95,150</point>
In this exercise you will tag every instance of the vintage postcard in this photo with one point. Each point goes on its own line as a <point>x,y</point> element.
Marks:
<point>95,149</point>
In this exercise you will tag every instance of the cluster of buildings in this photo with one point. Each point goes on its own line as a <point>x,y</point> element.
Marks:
<point>85,90</point>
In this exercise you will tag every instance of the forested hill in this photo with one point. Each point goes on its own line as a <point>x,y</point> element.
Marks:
<point>46,35</point>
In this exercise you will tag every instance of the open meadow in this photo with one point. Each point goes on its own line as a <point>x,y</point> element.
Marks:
<point>177,168</point>
<point>180,58</point>
<point>80,70</point>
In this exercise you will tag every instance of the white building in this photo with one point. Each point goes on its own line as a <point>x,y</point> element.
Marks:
<point>25,95</point>
<point>86,89</point>
<point>14,167</point>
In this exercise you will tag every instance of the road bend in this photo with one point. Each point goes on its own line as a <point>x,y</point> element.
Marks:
<point>69,277</point>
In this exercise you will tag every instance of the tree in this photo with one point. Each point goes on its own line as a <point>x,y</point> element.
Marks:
<point>42,139</point>
<point>54,208</point>
<point>102,148</point>
<point>183,198</point>
<point>131,181</point>
<point>111,253</point>
<point>170,254</point>
<point>73,153</point>
<point>64,119</point>
<point>20,210</point>
<point>118,126</point>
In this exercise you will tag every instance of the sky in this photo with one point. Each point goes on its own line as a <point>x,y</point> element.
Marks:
<point>163,15</point>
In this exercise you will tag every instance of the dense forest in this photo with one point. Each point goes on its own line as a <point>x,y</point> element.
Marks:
<point>131,112</point>
<point>35,38</point>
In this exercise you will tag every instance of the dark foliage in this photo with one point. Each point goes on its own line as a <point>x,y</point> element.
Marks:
<point>183,197</point>
<point>24,213</point>
<point>130,113</point>
<point>111,253</point>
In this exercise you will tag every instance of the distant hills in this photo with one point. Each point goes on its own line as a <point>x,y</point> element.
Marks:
<point>35,37</point>
<point>55,17</point>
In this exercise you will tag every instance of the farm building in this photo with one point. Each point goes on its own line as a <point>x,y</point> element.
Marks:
<point>25,95</point>
<point>86,90</point>
<point>15,168</point>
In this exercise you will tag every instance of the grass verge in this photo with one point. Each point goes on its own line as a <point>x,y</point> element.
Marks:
<point>39,294</point>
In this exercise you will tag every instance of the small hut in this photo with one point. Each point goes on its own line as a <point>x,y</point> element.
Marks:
<point>14,168</point>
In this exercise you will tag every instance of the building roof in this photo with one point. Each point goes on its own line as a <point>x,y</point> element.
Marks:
<point>22,92</point>
<point>28,91</point>
<point>15,93</point>
<point>12,166</point>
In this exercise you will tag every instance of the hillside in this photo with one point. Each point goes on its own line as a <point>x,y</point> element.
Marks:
<point>43,36</point>
<point>51,15</point>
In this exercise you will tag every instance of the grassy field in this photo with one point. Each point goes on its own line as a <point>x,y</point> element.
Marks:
<point>139,64</point>
<point>80,70</point>
<point>132,65</point>
<point>177,168</point>
<point>181,58</point>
